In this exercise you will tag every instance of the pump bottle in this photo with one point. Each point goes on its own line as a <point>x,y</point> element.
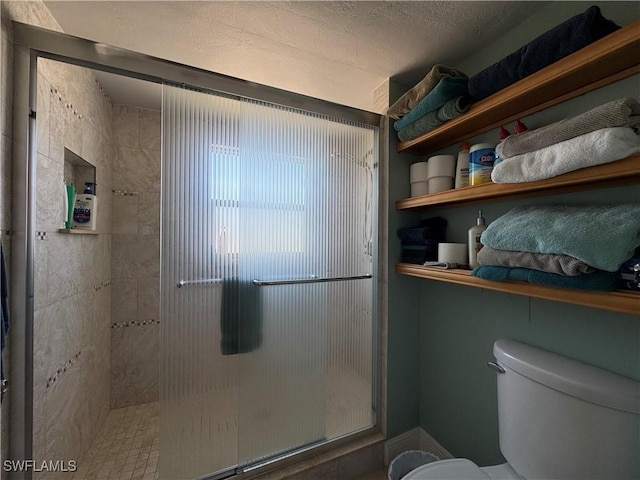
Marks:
<point>84,212</point>
<point>474,240</point>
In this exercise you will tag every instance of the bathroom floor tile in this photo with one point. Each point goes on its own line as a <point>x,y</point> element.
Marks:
<point>126,447</point>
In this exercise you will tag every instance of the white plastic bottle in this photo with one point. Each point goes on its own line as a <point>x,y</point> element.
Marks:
<point>84,212</point>
<point>474,240</point>
<point>462,166</point>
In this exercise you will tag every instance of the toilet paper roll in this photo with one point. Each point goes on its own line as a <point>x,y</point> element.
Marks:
<point>440,184</point>
<point>418,172</point>
<point>419,188</point>
<point>453,252</point>
<point>442,166</point>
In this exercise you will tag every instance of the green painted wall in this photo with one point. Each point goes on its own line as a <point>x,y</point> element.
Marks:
<point>456,394</point>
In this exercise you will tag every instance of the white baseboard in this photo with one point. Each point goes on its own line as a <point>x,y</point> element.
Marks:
<point>414,439</point>
<point>429,444</point>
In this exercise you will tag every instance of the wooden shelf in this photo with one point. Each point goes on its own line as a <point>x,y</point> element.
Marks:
<point>618,301</point>
<point>621,172</point>
<point>606,61</point>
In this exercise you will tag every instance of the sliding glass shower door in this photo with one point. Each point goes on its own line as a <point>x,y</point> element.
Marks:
<point>266,280</point>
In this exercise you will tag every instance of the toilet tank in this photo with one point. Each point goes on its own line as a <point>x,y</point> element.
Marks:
<point>562,419</point>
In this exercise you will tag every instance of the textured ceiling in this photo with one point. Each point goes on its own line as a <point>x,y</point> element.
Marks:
<point>337,51</point>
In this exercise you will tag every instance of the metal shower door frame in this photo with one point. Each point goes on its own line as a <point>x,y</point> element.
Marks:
<point>31,43</point>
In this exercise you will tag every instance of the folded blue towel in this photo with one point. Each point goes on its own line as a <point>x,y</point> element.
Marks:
<point>598,280</point>
<point>602,236</point>
<point>429,230</point>
<point>449,88</point>
<point>451,109</point>
<point>562,40</point>
<point>419,253</point>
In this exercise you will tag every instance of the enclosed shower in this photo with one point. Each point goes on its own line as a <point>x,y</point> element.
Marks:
<point>267,274</point>
<point>266,281</point>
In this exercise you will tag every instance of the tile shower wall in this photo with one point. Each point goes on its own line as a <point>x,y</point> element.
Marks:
<point>135,332</point>
<point>72,273</point>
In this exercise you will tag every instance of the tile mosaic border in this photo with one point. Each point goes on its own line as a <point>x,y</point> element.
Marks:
<point>67,105</point>
<point>60,371</point>
<point>124,193</point>
<point>134,323</point>
<point>41,236</point>
<point>102,285</point>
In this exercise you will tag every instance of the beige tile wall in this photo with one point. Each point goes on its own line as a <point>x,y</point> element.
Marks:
<point>72,273</point>
<point>135,334</point>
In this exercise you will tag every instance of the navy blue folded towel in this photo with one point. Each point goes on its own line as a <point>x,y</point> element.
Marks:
<point>432,228</point>
<point>419,254</point>
<point>562,40</point>
<point>598,280</point>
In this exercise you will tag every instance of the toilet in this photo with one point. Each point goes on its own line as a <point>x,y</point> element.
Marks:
<point>558,419</point>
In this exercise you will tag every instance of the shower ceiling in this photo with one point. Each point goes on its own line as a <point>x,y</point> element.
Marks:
<point>336,51</point>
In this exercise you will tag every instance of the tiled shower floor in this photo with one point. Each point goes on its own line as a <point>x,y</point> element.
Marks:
<point>127,447</point>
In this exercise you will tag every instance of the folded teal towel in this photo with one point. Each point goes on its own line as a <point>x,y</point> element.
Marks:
<point>602,236</point>
<point>450,110</point>
<point>447,89</point>
<point>598,280</point>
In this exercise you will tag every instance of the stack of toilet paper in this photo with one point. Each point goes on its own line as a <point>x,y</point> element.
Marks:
<point>419,177</point>
<point>433,176</point>
<point>442,173</point>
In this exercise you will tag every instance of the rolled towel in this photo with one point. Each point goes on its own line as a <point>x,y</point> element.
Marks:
<point>623,112</point>
<point>595,148</point>
<point>431,120</point>
<point>447,89</point>
<point>562,40</point>
<point>602,236</point>
<point>598,280</point>
<point>545,262</point>
<point>409,100</point>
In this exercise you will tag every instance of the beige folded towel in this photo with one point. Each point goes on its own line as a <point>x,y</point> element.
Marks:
<point>545,262</point>
<point>623,112</point>
<point>411,98</point>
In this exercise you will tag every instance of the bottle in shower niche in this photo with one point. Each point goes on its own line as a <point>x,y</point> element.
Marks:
<point>84,212</point>
<point>474,240</point>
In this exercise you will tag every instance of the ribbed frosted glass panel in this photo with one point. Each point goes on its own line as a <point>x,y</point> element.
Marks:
<point>198,385</point>
<point>260,355</point>
<point>306,213</point>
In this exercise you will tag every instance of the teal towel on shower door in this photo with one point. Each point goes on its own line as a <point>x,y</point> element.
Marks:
<point>241,320</point>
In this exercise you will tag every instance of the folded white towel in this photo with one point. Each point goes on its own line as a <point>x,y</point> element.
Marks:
<point>594,148</point>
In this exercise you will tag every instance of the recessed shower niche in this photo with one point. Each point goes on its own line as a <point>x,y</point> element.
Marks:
<point>77,172</point>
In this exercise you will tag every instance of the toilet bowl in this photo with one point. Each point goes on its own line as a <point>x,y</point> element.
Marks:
<point>461,469</point>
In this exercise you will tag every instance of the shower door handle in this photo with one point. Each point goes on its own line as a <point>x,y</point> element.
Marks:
<point>299,281</point>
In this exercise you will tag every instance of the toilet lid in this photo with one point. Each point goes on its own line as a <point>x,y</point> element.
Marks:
<point>453,469</point>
